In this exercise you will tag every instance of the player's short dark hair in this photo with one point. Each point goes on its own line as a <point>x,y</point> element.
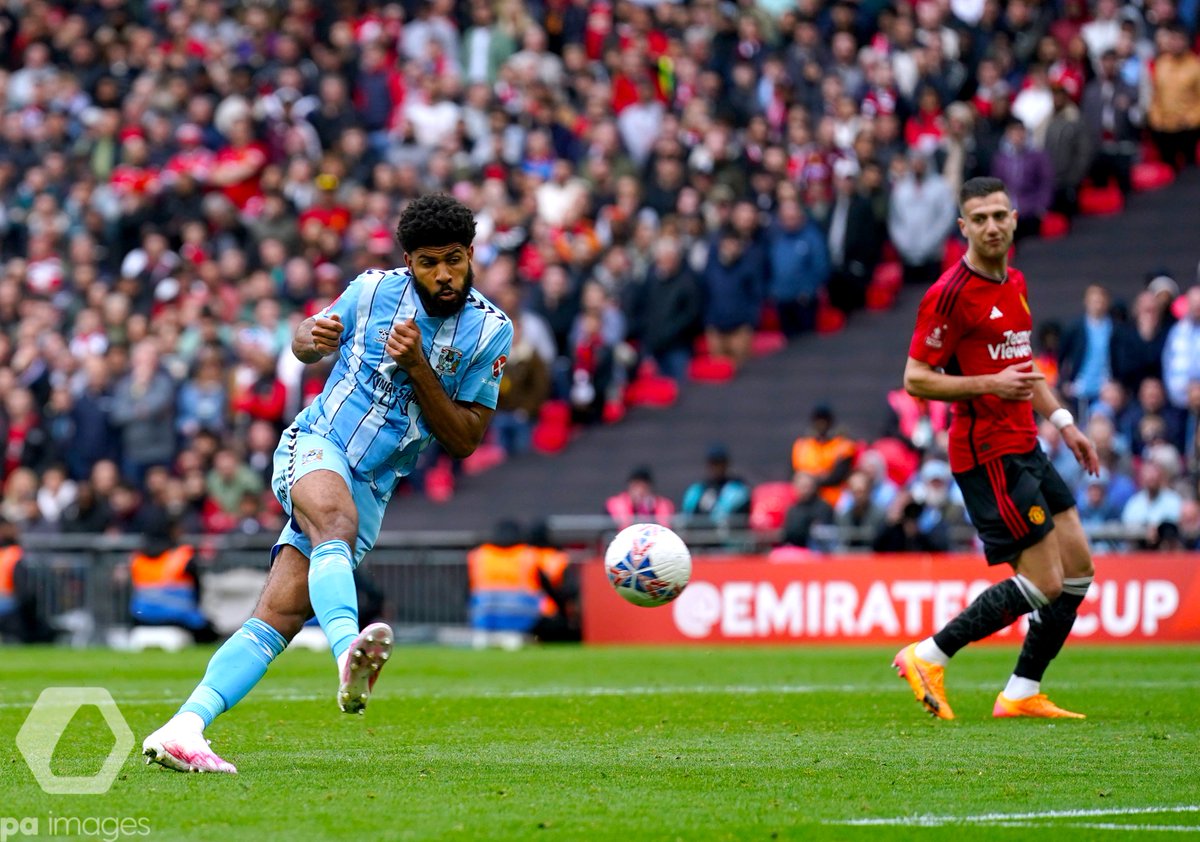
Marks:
<point>433,221</point>
<point>977,188</point>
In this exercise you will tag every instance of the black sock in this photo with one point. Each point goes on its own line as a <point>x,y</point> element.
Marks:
<point>1048,630</point>
<point>997,607</point>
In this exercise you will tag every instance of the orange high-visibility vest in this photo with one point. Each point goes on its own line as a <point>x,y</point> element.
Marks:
<point>814,457</point>
<point>505,592</point>
<point>554,564</point>
<point>168,570</point>
<point>9,556</point>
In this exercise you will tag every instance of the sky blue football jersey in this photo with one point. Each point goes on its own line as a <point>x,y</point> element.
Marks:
<point>368,405</point>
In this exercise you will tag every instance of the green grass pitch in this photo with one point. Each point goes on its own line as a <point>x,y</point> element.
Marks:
<point>630,744</point>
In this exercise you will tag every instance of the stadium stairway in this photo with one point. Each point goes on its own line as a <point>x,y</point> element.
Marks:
<point>760,413</point>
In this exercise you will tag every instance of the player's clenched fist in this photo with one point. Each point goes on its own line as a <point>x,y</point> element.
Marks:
<point>327,333</point>
<point>404,344</point>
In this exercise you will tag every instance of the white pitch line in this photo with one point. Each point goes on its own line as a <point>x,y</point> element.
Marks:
<point>996,818</point>
<point>637,690</point>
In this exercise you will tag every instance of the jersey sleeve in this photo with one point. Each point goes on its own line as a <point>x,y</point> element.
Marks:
<point>481,383</point>
<point>937,333</point>
<point>345,306</point>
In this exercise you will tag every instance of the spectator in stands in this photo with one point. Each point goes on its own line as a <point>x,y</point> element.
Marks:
<point>1181,352</point>
<point>143,408</point>
<point>1029,175</point>
<point>1174,115</point>
<point>798,267</point>
<point>921,214</point>
<point>1152,402</point>
<point>808,511</point>
<point>825,454</point>
<point>902,531</point>
<point>1189,525</point>
<point>959,157</point>
<point>733,295</point>
<point>1191,431</point>
<point>720,495</point>
<point>592,367</point>
<point>228,481</point>
<point>1113,116</point>
<point>523,390</point>
<point>883,491</point>
<point>665,312</point>
<point>857,515</point>
<point>1096,510</point>
<point>1059,454</point>
<point>1137,344</point>
<point>856,237</point>
<point>203,399</point>
<point>1085,356</point>
<point>1070,149</point>
<point>1155,504</point>
<point>942,505</point>
<point>639,502</point>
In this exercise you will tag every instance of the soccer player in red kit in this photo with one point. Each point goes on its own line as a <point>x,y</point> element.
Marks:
<point>972,347</point>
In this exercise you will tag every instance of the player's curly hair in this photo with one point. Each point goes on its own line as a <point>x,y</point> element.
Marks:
<point>435,220</point>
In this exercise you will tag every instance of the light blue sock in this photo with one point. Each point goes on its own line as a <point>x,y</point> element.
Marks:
<point>332,593</point>
<point>234,670</point>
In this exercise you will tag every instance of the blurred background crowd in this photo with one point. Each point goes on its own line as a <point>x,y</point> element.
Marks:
<point>181,181</point>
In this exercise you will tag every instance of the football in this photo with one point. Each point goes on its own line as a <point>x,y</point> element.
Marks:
<point>648,564</point>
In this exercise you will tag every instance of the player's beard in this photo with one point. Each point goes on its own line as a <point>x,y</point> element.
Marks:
<point>441,308</point>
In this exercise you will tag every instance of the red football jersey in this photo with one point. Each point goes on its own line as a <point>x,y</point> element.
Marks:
<point>970,324</point>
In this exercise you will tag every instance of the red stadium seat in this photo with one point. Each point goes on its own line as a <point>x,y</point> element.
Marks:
<point>1100,201</point>
<point>767,342</point>
<point>1152,175</point>
<point>900,459</point>
<point>1055,226</point>
<point>829,318</point>
<point>880,297</point>
<point>487,456</point>
<point>769,502</point>
<point>553,428</point>
<point>614,411</point>
<point>769,320</point>
<point>890,274</point>
<point>956,247</point>
<point>652,390</point>
<point>711,369</point>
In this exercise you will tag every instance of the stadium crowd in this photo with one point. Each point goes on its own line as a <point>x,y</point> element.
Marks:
<point>182,180</point>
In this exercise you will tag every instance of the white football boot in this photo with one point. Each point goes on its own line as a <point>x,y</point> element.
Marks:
<point>364,659</point>
<point>184,750</point>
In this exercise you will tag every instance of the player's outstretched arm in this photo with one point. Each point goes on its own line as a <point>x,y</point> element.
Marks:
<point>317,337</point>
<point>1015,383</point>
<point>458,426</point>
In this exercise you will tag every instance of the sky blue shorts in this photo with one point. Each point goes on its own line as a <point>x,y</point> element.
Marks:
<point>298,455</point>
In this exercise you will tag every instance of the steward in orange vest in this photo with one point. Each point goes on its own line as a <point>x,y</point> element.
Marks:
<point>166,590</point>
<point>20,614</point>
<point>513,584</point>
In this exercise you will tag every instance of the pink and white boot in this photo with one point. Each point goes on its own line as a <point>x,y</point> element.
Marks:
<point>184,750</point>
<point>360,669</point>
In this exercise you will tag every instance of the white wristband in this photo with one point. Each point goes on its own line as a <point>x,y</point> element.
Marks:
<point>1061,418</point>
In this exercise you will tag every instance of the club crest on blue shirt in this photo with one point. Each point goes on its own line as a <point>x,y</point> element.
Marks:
<point>448,361</point>
<point>314,455</point>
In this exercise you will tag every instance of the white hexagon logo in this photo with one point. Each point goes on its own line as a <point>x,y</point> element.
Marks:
<point>44,727</point>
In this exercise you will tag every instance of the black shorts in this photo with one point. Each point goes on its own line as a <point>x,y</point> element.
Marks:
<point>1012,501</point>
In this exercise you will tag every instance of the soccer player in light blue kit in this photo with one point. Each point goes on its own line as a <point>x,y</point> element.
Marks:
<point>420,356</point>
